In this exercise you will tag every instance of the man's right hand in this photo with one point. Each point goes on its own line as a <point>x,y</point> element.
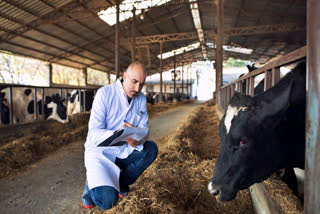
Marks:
<point>126,124</point>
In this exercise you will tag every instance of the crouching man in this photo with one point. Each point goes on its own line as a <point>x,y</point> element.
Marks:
<point>111,169</point>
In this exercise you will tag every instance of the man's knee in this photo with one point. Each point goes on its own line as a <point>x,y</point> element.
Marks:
<point>152,149</point>
<point>105,197</point>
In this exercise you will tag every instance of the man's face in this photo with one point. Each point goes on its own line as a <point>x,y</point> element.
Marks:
<point>133,80</point>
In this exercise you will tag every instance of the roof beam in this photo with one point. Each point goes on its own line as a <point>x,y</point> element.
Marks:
<point>240,31</point>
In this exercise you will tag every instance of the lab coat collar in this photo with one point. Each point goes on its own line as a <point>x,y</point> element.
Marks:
<point>119,85</point>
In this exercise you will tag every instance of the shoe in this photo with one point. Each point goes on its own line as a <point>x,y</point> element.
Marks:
<point>122,194</point>
<point>86,198</point>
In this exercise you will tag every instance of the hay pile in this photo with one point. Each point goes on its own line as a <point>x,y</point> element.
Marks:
<point>177,181</point>
<point>282,195</point>
<point>24,144</point>
<point>29,143</point>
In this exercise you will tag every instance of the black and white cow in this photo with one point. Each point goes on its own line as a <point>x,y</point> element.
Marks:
<point>75,103</point>
<point>259,88</point>
<point>23,105</point>
<point>260,135</point>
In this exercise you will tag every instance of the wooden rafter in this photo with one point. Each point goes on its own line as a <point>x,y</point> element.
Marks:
<point>240,31</point>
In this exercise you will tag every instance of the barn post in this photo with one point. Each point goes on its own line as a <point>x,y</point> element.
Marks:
<point>161,46</point>
<point>10,105</point>
<point>182,78</point>
<point>85,76</point>
<point>219,52</point>
<point>174,74</point>
<point>312,164</point>
<point>275,75</point>
<point>50,74</point>
<point>42,104</point>
<point>267,80</point>
<point>187,81</point>
<point>35,102</point>
<point>109,77</point>
<point>117,41</point>
<point>133,34</point>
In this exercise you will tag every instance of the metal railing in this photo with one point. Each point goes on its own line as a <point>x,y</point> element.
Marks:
<point>62,90</point>
<point>271,73</point>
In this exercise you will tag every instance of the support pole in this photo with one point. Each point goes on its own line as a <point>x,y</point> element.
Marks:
<point>133,34</point>
<point>312,164</point>
<point>85,76</point>
<point>174,74</point>
<point>219,51</point>
<point>50,74</point>
<point>117,41</point>
<point>182,78</point>
<point>161,46</point>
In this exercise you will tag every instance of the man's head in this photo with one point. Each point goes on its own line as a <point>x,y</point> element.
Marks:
<point>133,79</point>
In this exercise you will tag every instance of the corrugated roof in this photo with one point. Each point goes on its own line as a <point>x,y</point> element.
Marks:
<point>69,32</point>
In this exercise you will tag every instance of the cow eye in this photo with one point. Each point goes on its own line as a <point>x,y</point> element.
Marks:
<point>243,142</point>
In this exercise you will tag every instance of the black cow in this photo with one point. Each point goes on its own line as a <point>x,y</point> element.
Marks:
<point>260,135</point>
<point>259,89</point>
<point>150,99</point>
<point>75,103</point>
<point>4,109</point>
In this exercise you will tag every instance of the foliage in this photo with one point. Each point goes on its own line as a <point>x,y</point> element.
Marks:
<point>96,77</point>
<point>67,75</point>
<point>22,70</point>
<point>235,63</point>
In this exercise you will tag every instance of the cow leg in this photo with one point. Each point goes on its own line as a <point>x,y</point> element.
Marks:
<point>289,177</point>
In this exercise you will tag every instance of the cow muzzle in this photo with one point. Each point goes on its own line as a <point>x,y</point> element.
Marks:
<point>214,190</point>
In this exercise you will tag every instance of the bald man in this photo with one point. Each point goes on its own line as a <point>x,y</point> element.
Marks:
<point>111,169</point>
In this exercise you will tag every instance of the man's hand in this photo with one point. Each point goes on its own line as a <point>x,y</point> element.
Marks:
<point>132,142</point>
<point>126,124</point>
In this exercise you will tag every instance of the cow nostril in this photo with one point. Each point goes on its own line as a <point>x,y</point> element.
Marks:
<point>213,189</point>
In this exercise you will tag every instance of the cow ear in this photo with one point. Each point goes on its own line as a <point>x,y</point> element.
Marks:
<point>272,104</point>
<point>48,100</point>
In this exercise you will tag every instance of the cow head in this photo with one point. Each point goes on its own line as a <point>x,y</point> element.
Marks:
<point>54,108</point>
<point>247,149</point>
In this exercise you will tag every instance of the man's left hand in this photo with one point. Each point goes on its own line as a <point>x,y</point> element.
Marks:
<point>132,142</point>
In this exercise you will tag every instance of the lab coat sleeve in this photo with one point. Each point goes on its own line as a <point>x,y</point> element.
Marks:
<point>143,123</point>
<point>97,132</point>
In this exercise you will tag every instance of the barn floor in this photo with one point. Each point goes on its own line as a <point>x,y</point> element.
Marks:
<point>175,183</point>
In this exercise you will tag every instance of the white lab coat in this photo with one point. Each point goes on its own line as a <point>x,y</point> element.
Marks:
<point>109,110</point>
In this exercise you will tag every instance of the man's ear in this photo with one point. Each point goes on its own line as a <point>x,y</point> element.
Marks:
<point>124,75</point>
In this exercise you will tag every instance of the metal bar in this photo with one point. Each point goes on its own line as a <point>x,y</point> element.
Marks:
<point>84,100</point>
<point>35,102</point>
<point>251,85</point>
<point>275,76</point>
<point>133,34</point>
<point>312,169</point>
<point>182,78</point>
<point>247,86</point>
<point>10,106</point>
<point>219,50</point>
<point>286,59</point>
<point>174,74</point>
<point>42,104</point>
<point>161,84</point>
<point>116,50</point>
<point>267,80</point>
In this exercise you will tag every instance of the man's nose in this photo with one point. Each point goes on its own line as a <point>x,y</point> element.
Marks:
<point>136,87</point>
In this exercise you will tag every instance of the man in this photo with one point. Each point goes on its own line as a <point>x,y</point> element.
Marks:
<point>111,169</point>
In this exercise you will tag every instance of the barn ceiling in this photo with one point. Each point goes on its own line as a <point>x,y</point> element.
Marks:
<point>70,32</point>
